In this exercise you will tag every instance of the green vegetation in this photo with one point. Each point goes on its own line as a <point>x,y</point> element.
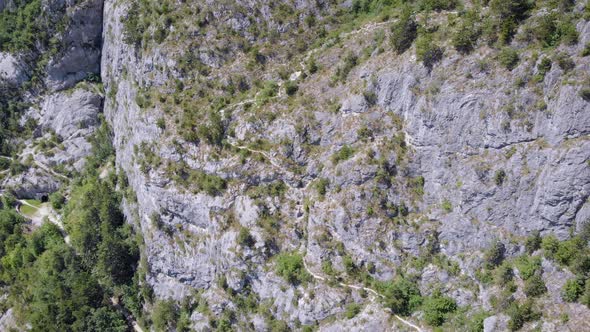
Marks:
<point>495,254</point>
<point>345,153</point>
<point>352,310</point>
<point>57,287</point>
<point>573,289</point>
<point>321,186</point>
<point>404,31</point>
<point>427,51</point>
<point>500,177</point>
<point>21,29</point>
<point>520,314</point>
<point>291,268</point>
<point>465,37</point>
<point>245,239</point>
<point>437,308</point>
<point>508,58</point>
<point>402,296</point>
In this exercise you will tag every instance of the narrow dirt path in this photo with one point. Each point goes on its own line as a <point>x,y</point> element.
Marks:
<point>317,276</point>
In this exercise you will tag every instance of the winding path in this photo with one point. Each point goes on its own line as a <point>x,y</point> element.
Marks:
<point>304,249</point>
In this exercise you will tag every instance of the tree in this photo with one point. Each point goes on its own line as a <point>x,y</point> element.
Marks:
<point>401,295</point>
<point>495,254</point>
<point>404,31</point>
<point>573,289</point>
<point>437,307</point>
<point>164,315</point>
<point>105,319</point>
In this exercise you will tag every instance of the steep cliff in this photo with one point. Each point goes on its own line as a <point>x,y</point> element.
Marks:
<point>330,164</point>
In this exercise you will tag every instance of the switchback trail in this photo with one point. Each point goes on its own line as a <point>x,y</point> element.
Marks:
<point>317,276</point>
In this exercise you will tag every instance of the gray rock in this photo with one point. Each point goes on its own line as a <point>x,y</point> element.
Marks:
<point>354,104</point>
<point>80,50</point>
<point>70,114</point>
<point>495,323</point>
<point>12,70</point>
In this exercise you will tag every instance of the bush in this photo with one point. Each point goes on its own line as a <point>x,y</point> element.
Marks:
<point>565,62</point>
<point>404,31</point>
<point>544,66</point>
<point>291,268</point>
<point>573,289</point>
<point>550,245</point>
<point>352,310</point>
<point>438,5</point>
<point>534,286</point>
<point>322,186</point>
<point>586,50</point>
<point>509,13</point>
<point>585,94</point>
<point>428,52</point>
<point>401,295</point>
<point>520,314</point>
<point>291,88</point>
<point>508,58</point>
<point>349,62</point>
<point>495,254</point>
<point>465,38</point>
<point>245,239</point>
<point>500,177</point>
<point>437,308</point>
<point>57,200</point>
<point>533,242</point>
<point>343,154</point>
<point>164,315</point>
<point>528,266</point>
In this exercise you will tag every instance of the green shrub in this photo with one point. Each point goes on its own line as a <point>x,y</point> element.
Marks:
<point>438,5</point>
<point>533,242</point>
<point>349,62</point>
<point>508,58</point>
<point>520,314</point>
<point>352,310</point>
<point>321,186</point>
<point>586,50</point>
<point>133,26</point>
<point>500,177</point>
<point>401,295</point>
<point>465,38</point>
<point>544,66</point>
<point>291,268</point>
<point>573,289</point>
<point>494,255</point>
<point>245,239</point>
<point>503,274</point>
<point>550,245</point>
<point>447,206</point>
<point>527,266</point>
<point>437,308</point>
<point>585,94</point>
<point>343,154</point>
<point>291,88</point>
<point>565,62</point>
<point>508,14</point>
<point>534,286</point>
<point>57,200</point>
<point>404,31</point>
<point>427,51</point>
<point>164,315</point>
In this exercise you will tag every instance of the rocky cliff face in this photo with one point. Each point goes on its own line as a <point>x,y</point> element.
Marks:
<point>366,163</point>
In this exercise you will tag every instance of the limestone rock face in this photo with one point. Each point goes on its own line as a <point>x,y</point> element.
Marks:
<point>80,45</point>
<point>495,162</point>
<point>384,169</point>
<point>12,70</point>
